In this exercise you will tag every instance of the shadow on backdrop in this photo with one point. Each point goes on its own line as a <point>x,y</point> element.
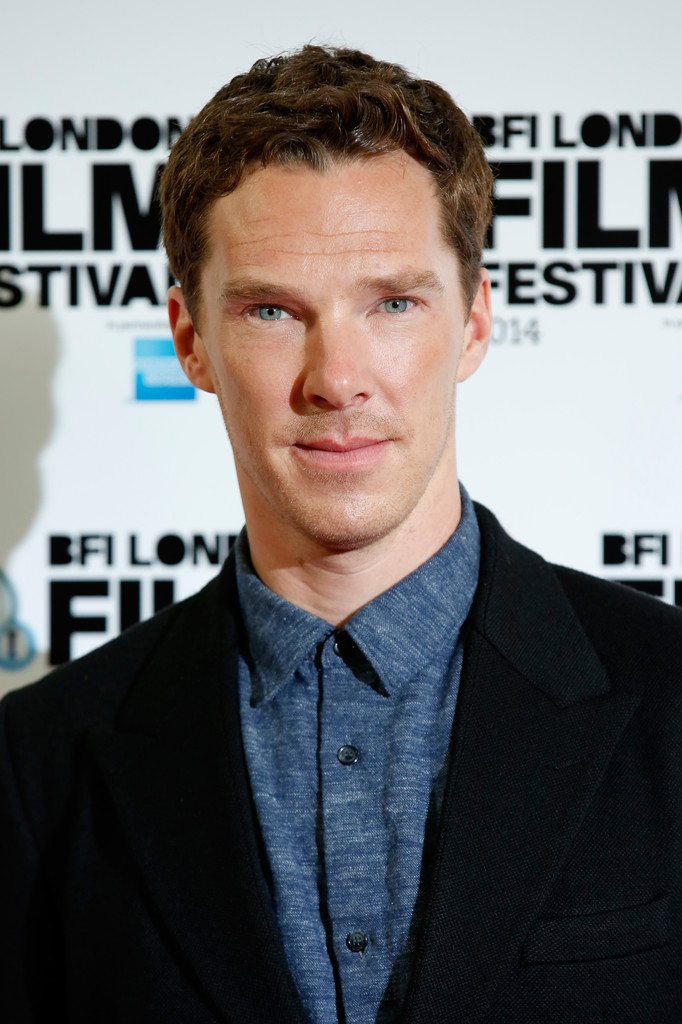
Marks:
<point>29,353</point>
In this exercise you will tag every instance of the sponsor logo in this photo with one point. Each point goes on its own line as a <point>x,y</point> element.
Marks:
<point>158,375</point>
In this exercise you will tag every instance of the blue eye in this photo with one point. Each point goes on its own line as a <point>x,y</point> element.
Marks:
<point>270,312</point>
<point>395,305</point>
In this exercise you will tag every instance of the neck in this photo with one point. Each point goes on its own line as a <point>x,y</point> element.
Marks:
<point>335,584</point>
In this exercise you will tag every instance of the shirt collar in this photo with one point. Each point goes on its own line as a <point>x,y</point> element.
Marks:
<point>399,632</point>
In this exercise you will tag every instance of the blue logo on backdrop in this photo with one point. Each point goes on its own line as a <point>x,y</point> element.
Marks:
<point>17,648</point>
<point>158,374</point>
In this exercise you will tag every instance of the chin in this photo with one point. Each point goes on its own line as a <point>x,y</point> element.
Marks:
<point>344,526</point>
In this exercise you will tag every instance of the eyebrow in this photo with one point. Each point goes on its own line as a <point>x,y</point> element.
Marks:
<point>232,291</point>
<point>398,284</point>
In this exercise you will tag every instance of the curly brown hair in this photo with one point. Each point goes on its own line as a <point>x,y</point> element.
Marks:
<point>314,107</point>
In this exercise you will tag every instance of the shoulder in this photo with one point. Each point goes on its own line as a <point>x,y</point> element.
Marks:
<point>607,600</point>
<point>518,566</point>
<point>630,630</point>
<point>92,687</point>
<point>46,728</point>
<point>551,609</point>
<point>89,693</point>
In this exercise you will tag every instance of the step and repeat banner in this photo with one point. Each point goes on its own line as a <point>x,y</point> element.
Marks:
<point>118,489</point>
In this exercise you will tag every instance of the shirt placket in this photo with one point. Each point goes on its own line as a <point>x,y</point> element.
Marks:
<point>352,772</point>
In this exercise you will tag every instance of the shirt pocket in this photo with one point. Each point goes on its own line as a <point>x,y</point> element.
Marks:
<point>599,936</point>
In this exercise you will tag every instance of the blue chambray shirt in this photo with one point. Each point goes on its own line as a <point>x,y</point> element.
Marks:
<point>346,735</point>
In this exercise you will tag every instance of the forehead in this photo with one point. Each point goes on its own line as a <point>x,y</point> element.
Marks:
<point>382,205</point>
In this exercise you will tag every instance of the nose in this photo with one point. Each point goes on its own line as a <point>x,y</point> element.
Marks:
<point>337,372</point>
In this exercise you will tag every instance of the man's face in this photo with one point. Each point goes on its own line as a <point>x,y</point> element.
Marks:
<point>333,331</point>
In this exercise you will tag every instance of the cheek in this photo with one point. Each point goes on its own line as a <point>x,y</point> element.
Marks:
<point>424,369</point>
<point>255,394</point>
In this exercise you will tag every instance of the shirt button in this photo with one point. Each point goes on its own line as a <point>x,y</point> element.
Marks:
<point>356,941</point>
<point>347,754</point>
<point>344,646</point>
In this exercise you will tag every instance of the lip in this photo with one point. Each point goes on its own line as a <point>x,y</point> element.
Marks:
<point>349,444</point>
<point>349,453</point>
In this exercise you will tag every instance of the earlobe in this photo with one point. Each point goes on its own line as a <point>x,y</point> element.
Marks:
<point>189,347</point>
<point>477,331</point>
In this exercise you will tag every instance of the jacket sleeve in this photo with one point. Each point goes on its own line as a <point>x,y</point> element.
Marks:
<point>31,986</point>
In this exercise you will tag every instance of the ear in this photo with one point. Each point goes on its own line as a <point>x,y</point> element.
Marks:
<point>189,347</point>
<point>477,331</point>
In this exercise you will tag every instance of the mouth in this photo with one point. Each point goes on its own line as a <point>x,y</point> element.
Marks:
<point>349,453</point>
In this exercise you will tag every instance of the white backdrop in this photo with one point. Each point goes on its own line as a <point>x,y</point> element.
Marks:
<point>117,483</point>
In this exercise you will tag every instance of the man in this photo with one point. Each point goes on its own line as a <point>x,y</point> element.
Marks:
<point>390,765</point>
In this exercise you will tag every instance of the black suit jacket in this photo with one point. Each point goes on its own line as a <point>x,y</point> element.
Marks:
<point>133,885</point>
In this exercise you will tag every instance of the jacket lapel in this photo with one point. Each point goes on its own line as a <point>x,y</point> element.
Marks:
<point>535,727</point>
<point>175,773</point>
